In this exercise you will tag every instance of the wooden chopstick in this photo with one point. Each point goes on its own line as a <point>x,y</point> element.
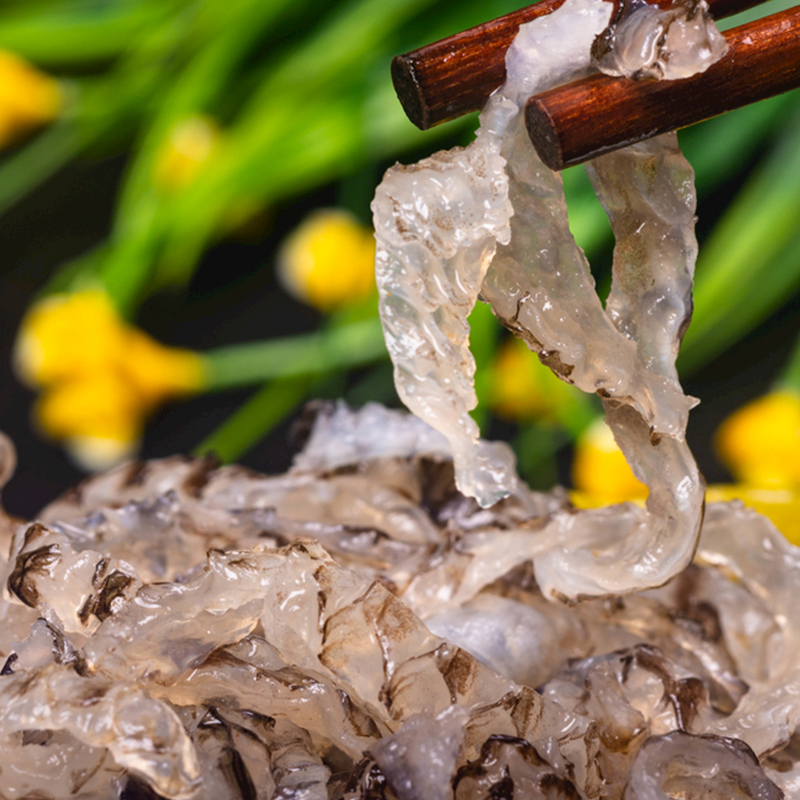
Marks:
<point>455,76</point>
<point>573,123</point>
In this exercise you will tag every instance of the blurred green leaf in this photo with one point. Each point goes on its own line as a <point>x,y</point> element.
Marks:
<point>536,446</point>
<point>62,34</point>
<point>254,420</point>
<point>483,338</point>
<point>749,265</point>
<point>336,348</point>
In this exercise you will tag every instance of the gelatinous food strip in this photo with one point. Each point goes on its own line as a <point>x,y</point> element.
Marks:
<point>272,666</point>
<point>143,735</point>
<point>430,283</point>
<point>646,41</point>
<point>680,765</point>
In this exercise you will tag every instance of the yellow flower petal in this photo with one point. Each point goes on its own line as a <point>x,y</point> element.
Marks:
<point>65,336</point>
<point>100,406</point>
<point>96,454</point>
<point>159,372</point>
<point>600,473</point>
<point>760,443</point>
<point>189,146</point>
<point>28,98</point>
<point>329,261</point>
<point>521,388</point>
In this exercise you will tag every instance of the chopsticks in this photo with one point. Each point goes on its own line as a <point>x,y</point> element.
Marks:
<point>456,75</point>
<point>573,123</point>
<point>570,124</point>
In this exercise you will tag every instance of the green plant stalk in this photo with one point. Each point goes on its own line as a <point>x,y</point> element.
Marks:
<point>46,154</point>
<point>337,348</point>
<point>254,420</point>
<point>720,147</point>
<point>65,34</point>
<point>789,379</point>
<point>99,111</point>
<point>483,339</point>
<point>349,39</point>
<point>190,222</point>
<point>194,88</point>
<point>738,274</point>
<point>535,446</point>
<point>301,145</point>
<point>131,261</point>
<point>766,294</point>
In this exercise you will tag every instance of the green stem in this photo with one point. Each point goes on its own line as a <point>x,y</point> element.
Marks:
<point>311,354</point>
<point>74,33</point>
<point>741,274</point>
<point>255,419</point>
<point>789,379</point>
<point>483,339</point>
<point>35,163</point>
<point>536,446</point>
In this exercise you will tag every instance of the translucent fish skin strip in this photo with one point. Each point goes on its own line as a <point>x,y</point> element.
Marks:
<point>438,224</point>
<point>540,287</point>
<point>639,548</point>
<point>143,734</point>
<point>648,193</point>
<point>429,277</point>
<point>647,190</point>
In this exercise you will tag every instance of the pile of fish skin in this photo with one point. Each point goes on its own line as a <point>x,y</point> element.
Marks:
<point>358,628</point>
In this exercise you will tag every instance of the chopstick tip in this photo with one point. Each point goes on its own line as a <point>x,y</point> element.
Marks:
<point>544,134</point>
<point>409,91</point>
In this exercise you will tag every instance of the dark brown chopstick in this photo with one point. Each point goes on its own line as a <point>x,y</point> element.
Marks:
<point>456,75</point>
<point>576,122</point>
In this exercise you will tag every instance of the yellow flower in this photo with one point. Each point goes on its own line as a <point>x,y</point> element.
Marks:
<point>189,146</point>
<point>760,443</point>
<point>329,260</point>
<point>28,98</point>
<point>600,473</point>
<point>523,389</point>
<point>68,335</point>
<point>101,376</point>
<point>99,418</point>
